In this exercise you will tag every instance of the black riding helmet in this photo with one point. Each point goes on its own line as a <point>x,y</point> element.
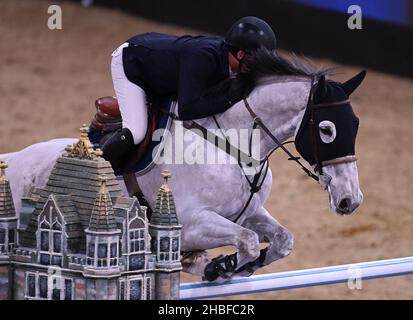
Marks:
<point>249,34</point>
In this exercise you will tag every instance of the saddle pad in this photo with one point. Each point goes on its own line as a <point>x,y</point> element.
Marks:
<point>153,151</point>
<point>147,162</point>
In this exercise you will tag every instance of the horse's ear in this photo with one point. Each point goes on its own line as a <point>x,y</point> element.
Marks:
<point>350,85</point>
<point>321,89</point>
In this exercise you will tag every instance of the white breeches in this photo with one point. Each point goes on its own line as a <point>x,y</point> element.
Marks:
<point>131,99</point>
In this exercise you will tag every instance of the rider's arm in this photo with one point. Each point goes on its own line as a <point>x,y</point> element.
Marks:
<point>194,100</point>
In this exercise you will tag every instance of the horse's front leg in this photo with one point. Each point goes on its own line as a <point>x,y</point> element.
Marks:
<point>269,231</point>
<point>207,230</point>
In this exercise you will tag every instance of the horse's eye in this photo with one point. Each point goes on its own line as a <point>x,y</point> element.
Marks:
<point>327,131</point>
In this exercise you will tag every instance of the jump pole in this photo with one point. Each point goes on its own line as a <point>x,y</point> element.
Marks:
<point>298,279</point>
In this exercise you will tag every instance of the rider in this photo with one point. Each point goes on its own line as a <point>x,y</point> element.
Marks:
<point>154,64</point>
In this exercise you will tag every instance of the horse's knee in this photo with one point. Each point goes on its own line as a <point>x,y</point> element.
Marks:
<point>248,242</point>
<point>284,242</point>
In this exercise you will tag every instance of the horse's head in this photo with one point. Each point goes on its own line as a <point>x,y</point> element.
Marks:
<point>326,139</point>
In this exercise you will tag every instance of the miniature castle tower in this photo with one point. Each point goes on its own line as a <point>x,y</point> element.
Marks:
<point>8,218</point>
<point>80,238</point>
<point>102,236</point>
<point>8,227</point>
<point>166,244</point>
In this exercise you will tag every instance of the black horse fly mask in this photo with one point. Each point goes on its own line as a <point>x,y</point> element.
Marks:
<point>327,134</point>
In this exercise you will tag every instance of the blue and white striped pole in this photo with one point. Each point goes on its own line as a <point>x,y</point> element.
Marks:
<point>298,279</point>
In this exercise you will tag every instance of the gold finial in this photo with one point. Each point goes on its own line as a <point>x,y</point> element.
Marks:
<point>98,152</point>
<point>3,167</point>
<point>165,186</point>
<point>103,179</point>
<point>83,148</point>
<point>84,130</point>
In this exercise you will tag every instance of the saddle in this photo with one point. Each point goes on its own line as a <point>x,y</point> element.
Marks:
<point>108,120</point>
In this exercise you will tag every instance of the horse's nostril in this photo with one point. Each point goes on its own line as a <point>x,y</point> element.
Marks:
<point>344,204</point>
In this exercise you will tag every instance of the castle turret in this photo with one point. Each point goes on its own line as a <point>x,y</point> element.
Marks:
<point>102,236</point>
<point>8,218</point>
<point>165,244</point>
<point>8,232</point>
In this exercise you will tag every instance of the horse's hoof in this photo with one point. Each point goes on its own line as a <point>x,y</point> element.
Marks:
<point>222,266</point>
<point>249,268</point>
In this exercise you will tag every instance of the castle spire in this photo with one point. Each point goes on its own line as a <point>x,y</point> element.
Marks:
<point>102,218</point>
<point>165,213</point>
<point>83,148</point>
<point>6,200</point>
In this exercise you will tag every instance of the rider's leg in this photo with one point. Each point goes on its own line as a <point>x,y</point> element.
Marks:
<point>132,104</point>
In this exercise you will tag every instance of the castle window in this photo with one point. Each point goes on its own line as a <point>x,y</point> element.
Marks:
<point>168,249</point>
<point>164,244</point>
<point>121,290</point>
<point>31,285</point>
<point>136,235</point>
<point>7,240</point>
<point>148,289</point>
<point>136,244</point>
<point>136,261</point>
<point>131,288</point>
<point>135,289</point>
<point>68,289</point>
<point>137,240</point>
<point>175,249</point>
<point>2,236</point>
<point>102,255</point>
<point>164,248</point>
<point>56,289</point>
<point>50,241</point>
<point>57,226</point>
<point>44,240</point>
<point>50,287</point>
<point>12,237</point>
<point>42,286</point>
<point>45,225</point>
<point>175,244</point>
<point>114,254</point>
<point>57,242</point>
<point>2,240</point>
<point>90,253</point>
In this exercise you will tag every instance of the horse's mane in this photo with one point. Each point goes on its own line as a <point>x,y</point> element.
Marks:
<point>264,63</point>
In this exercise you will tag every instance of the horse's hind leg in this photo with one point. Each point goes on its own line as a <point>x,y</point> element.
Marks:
<point>207,230</point>
<point>270,231</point>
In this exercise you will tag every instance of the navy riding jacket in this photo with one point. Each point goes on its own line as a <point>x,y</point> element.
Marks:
<point>184,67</point>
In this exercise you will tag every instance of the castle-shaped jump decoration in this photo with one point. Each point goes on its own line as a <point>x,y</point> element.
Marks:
<point>78,238</point>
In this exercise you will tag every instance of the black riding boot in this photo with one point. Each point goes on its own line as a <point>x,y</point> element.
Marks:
<point>117,147</point>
